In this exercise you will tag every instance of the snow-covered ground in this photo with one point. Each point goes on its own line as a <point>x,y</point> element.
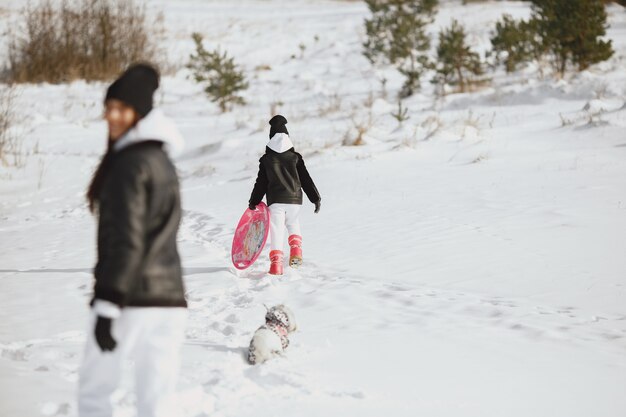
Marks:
<point>468,263</point>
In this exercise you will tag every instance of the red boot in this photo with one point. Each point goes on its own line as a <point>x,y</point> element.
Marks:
<point>295,255</point>
<point>276,267</point>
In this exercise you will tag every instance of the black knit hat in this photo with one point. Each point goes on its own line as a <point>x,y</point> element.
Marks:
<point>277,124</point>
<point>135,87</point>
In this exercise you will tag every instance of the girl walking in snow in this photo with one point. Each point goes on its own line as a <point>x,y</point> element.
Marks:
<point>282,177</point>
<point>139,307</point>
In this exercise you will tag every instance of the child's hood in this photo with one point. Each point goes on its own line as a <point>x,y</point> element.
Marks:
<point>280,143</point>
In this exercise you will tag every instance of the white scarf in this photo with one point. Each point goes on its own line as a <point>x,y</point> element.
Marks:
<point>154,126</point>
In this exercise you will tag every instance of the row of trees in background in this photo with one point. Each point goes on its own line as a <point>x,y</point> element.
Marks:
<point>568,31</point>
<point>96,39</point>
<point>565,33</point>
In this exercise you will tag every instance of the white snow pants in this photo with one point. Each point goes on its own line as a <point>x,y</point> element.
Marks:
<point>151,336</point>
<point>282,215</point>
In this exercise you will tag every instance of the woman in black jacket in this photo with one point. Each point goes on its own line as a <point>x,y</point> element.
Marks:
<point>282,177</point>
<point>139,307</point>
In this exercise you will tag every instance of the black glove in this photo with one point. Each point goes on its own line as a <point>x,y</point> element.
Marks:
<point>318,205</point>
<point>103,334</point>
<point>252,206</point>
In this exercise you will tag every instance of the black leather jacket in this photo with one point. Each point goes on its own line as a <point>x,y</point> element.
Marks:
<point>139,214</point>
<point>283,176</point>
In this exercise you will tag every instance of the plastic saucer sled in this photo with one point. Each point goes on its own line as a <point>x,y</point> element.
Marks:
<point>250,236</point>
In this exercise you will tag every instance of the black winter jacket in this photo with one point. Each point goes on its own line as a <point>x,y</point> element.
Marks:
<point>139,214</point>
<point>283,176</point>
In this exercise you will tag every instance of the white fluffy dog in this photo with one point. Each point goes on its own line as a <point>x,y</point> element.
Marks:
<point>270,340</point>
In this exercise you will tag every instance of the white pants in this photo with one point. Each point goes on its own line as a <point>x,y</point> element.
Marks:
<point>152,337</point>
<point>282,215</point>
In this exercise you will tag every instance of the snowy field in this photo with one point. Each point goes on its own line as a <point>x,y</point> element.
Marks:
<point>468,263</point>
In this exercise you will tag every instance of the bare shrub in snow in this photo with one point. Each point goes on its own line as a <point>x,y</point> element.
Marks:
<point>83,39</point>
<point>360,126</point>
<point>223,80</point>
<point>332,105</point>
<point>369,100</point>
<point>9,143</point>
<point>472,121</point>
<point>432,125</point>
<point>565,121</point>
<point>589,115</point>
<point>41,169</point>
<point>601,90</point>
<point>383,88</point>
<point>476,122</point>
<point>263,67</point>
<point>480,158</point>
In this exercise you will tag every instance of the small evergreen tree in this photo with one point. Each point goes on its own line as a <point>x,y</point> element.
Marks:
<point>457,64</point>
<point>223,81</point>
<point>515,42</point>
<point>402,115</point>
<point>396,35</point>
<point>571,31</point>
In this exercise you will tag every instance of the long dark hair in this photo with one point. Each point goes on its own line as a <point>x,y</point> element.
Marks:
<point>93,191</point>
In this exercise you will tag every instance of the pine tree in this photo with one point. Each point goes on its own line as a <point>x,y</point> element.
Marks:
<point>223,81</point>
<point>457,64</point>
<point>515,42</point>
<point>571,31</point>
<point>396,34</point>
